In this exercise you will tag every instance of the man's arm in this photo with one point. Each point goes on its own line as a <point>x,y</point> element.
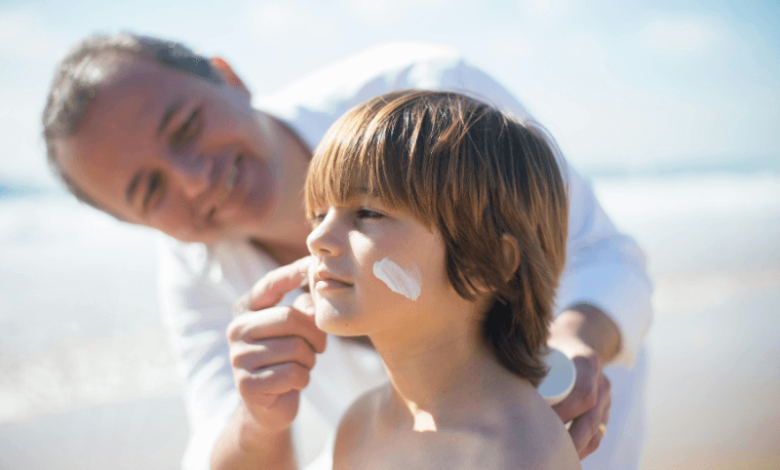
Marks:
<point>590,326</point>
<point>606,270</point>
<point>244,445</point>
<point>195,313</point>
<point>197,310</point>
<point>272,351</point>
<point>587,336</point>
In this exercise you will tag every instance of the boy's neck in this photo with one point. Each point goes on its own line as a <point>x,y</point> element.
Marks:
<point>447,375</point>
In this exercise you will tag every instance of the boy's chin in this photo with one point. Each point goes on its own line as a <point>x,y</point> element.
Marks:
<point>337,323</point>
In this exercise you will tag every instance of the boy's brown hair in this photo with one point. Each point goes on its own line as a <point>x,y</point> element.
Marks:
<point>474,174</point>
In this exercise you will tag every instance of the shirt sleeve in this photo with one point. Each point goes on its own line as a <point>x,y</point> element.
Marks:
<point>604,267</point>
<point>197,290</point>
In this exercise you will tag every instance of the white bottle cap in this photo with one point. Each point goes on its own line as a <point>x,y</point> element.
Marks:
<point>559,382</point>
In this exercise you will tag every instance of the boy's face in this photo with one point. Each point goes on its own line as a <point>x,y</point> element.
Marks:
<point>375,270</point>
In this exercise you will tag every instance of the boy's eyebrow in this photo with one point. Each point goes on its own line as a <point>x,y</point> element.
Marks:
<point>169,113</point>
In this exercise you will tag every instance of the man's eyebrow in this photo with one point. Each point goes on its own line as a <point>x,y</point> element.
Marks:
<point>169,113</point>
<point>131,188</point>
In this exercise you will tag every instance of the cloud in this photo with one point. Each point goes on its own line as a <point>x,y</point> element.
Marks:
<point>386,12</point>
<point>548,10</point>
<point>684,35</point>
<point>21,38</point>
<point>540,7</point>
<point>278,19</point>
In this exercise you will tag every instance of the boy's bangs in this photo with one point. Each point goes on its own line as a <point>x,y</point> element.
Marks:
<point>359,160</point>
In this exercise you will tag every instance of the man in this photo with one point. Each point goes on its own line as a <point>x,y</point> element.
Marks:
<point>153,134</point>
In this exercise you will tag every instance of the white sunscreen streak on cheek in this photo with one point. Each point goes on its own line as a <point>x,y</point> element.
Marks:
<point>407,283</point>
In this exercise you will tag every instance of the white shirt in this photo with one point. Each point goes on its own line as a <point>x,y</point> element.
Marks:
<point>199,284</point>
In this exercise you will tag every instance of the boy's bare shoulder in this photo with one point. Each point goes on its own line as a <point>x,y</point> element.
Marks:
<point>541,442</point>
<point>530,437</point>
<point>356,429</point>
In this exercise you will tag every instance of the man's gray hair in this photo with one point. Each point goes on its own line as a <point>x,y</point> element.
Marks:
<point>79,76</point>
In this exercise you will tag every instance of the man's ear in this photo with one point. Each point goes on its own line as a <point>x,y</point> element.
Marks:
<point>511,254</point>
<point>229,75</point>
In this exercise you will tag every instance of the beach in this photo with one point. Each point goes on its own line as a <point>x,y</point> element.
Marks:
<point>87,380</point>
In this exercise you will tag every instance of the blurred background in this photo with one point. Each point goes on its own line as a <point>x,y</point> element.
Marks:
<point>671,109</point>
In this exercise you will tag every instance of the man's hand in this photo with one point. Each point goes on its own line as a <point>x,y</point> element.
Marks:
<point>590,339</point>
<point>587,406</point>
<point>273,348</point>
<point>272,351</point>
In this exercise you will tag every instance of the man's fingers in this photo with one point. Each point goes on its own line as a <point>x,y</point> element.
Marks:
<point>253,357</point>
<point>274,323</point>
<point>272,288</point>
<point>592,445</point>
<point>584,396</point>
<point>257,387</point>
<point>586,430</point>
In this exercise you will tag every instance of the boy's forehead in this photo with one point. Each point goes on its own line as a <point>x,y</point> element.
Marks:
<point>344,197</point>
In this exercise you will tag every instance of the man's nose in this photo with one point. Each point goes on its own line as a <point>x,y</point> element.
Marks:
<point>191,175</point>
<point>325,239</point>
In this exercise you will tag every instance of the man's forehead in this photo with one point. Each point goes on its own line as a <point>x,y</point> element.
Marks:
<point>141,86</point>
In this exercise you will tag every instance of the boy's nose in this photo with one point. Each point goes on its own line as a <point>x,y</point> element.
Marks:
<point>323,240</point>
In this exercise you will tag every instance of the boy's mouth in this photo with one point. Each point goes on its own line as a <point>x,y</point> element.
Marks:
<point>325,280</point>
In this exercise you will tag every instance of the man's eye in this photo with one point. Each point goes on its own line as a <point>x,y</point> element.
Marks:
<point>154,190</point>
<point>188,131</point>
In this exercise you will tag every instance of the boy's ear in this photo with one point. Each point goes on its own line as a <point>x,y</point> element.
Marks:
<point>229,75</point>
<point>511,254</point>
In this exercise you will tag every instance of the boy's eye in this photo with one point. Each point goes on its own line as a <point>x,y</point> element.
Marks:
<point>369,214</point>
<point>316,219</point>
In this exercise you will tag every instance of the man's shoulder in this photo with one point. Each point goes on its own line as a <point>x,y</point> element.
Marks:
<point>374,71</point>
<point>310,105</point>
<point>382,59</point>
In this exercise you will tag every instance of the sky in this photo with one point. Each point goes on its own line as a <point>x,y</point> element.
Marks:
<point>621,84</point>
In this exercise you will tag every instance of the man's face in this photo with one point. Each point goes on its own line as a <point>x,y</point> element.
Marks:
<point>166,149</point>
